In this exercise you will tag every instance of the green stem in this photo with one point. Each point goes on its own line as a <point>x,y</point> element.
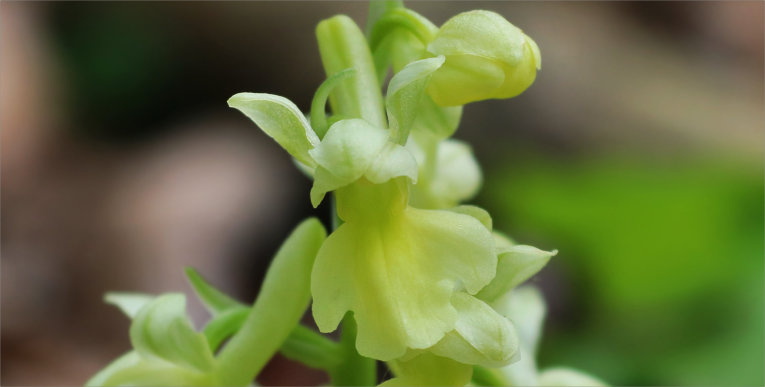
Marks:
<point>355,370</point>
<point>312,349</point>
<point>342,45</point>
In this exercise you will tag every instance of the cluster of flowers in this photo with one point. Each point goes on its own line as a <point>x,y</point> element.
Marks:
<point>428,282</point>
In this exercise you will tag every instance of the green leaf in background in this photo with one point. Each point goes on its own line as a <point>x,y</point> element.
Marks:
<point>670,251</point>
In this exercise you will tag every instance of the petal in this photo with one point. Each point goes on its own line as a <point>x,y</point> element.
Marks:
<point>162,330</point>
<point>481,335</point>
<point>482,34</point>
<point>394,161</point>
<point>477,212</point>
<point>349,148</point>
<point>519,77</point>
<point>437,121</point>
<point>281,120</point>
<point>429,370</point>
<point>516,264</point>
<point>405,91</point>
<point>526,308</point>
<point>129,303</point>
<point>466,78</point>
<point>486,57</point>
<point>324,181</point>
<point>455,177</point>
<point>374,264</point>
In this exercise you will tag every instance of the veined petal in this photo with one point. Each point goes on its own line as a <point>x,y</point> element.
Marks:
<point>479,33</point>
<point>516,264</point>
<point>476,212</point>
<point>349,148</point>
<point>405,91</point>
<point>481,336</point>
<point>466,78</point>
<point>526,308</point>
<point>373,264</point>
<point>324,181</point>
<point>428,369</point>
<point>162,330</point>
<point>353,149</point>
<point>454,175</point>
<point>393,161</point>
<point>280,119</point>
<point>519,77</point>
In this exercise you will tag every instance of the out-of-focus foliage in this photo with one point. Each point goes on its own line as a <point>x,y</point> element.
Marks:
<point>664,257</point>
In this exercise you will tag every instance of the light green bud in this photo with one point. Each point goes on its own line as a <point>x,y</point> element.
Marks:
<point>486,58</point>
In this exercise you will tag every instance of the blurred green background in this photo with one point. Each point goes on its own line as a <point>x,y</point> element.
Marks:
<point>638,154</point>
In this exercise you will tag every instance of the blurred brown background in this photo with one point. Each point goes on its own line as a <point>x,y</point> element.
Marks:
<point>637,153</point>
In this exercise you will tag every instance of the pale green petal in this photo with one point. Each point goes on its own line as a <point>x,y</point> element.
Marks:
<point>393,161</point>
<point>454,178</point>
<point>465,78</point>
<point>162,330</point>
<point>129,303</point>
<point>567,377</point>
<point>519,77</point>
<point>437,121</point>
<point>486,57</point>
<point>349,148</point>
<point>479,33</point>
<point>429,370</point>
<point>279,118</point>
<point>516,264</point>
<point>405,91</point>
<point>526,308</point>
<point>324,181</point>
<point>476,212</point>
<point>502,241</point>
<point>376,261</point>
<point>481,335</point>
<point>535,51</point>
<point>399,37</point>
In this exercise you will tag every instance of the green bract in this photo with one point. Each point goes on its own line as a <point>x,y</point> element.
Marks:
<point>486,57</point>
